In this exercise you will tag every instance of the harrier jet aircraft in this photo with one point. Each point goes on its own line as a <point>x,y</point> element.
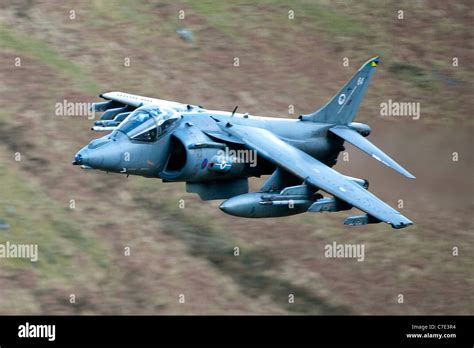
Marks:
<point>215,152</point>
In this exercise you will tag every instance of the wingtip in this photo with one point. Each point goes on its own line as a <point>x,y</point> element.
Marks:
<point>407,174</point>
<point>404,172</point>
<point>108,95</point>
<point>401,222</point>
<point>402,225</point>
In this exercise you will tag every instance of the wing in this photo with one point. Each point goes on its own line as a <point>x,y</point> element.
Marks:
<point>315,173</point>
<point>138,100</point>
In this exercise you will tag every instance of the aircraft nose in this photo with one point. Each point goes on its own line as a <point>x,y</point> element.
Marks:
<point>88,158</point>
<point>77,159</point>
<point>93,159</point>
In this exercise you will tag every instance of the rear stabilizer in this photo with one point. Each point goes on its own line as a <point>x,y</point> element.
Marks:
<point>363,144</point>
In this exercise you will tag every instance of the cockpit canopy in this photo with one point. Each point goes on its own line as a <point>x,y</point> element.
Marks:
<point>148,122</point>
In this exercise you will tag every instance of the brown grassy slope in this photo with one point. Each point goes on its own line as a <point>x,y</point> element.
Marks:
<point>190,251</point>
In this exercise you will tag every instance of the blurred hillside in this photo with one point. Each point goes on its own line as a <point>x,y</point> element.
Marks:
<point>190,251</point>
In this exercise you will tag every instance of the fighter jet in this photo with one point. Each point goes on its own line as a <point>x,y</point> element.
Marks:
<point>216,152</point>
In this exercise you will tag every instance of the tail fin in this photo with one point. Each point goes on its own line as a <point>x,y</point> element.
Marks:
<point>342,108</point>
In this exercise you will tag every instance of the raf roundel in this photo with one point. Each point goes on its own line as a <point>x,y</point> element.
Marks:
<point>342,99</point>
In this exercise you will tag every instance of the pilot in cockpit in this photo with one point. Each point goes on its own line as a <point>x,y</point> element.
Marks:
<point>147,123</point>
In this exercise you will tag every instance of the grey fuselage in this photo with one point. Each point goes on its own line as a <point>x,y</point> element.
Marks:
<point>184,151</point>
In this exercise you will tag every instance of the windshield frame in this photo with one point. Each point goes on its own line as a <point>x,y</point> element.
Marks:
<point>154,117</point>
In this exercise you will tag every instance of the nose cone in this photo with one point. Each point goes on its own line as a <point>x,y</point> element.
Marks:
<point>89,158</point>
<point>77,159</point>
<point>104,155</point>
<point>93,159</point>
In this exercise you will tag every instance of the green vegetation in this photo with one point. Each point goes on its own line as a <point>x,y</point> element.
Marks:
<point>252,269</point>
<point>242,16</point>
<point>34,218</point>
<point>418,76</point>
<point>122,11</point>
<point>39,50</point>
